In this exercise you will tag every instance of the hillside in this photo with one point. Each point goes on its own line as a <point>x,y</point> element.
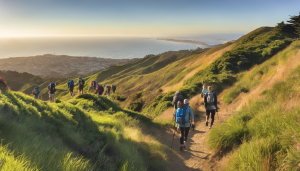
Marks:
<point>264,133</point>
<point>255,77</point>
<point>59,66</point>
<point>149,84</point>
<point>84,133</point>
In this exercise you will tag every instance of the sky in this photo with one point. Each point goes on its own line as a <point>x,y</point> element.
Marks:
<point>140,17</point>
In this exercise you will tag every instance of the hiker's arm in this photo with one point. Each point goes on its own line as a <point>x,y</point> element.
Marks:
<point>216,102</point>
<point>192,115</point>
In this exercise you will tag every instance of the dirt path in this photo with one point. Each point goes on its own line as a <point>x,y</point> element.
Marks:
<point>196,156</point>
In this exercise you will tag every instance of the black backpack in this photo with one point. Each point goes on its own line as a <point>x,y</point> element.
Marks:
<point>52,87</point>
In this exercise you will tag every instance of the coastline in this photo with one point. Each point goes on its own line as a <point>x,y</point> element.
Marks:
<point>189,42</point>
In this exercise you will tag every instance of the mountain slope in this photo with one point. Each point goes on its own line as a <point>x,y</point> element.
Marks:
<point>265,130</point>
<point>85,133</point>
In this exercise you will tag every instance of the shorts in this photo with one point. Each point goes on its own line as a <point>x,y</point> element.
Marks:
<point>51,95</point>
<point>80,87</point>
<point>71,89</point>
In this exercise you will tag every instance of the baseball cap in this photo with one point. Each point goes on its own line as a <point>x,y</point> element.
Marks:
<point>186,101</point>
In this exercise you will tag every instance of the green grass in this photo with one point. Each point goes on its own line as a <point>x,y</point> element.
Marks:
<point>263,131</point>
<point>249,79</point>
<point>84,133</point>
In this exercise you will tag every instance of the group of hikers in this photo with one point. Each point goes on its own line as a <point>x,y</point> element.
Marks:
<point>184,116</point>
<point>99,89</point>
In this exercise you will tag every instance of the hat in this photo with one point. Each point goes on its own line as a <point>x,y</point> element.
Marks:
<point>186,101</point>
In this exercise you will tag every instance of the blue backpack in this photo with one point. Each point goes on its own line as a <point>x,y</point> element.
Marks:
<point>180,115</point>
<point>71,83</point>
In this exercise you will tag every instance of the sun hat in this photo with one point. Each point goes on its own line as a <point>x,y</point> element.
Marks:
<point>186,101</point>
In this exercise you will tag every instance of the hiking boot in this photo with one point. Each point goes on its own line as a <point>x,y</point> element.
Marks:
<point>206,123</point>
<point>181,146</point>
<point>184,144</point>
<point>210,126</point>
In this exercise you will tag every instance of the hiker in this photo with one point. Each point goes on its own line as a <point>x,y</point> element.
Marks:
<point>37,93</point>
<point>80,83</point>
<point>51,91</point>
<point>107,90</point>
<point>99,90</point>
<point>3,85</point>
<point>113,88</point>
<point>211,105</point>
<point>93,85</point>
<point>71,87</point>
<point>177,97</point>
<point>183,115</point>
<point>204,91</point>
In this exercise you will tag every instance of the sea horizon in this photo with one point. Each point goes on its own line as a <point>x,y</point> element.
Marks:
<point>100,47</point>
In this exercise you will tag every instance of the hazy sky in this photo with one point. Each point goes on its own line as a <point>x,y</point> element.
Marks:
<point>140,17</point>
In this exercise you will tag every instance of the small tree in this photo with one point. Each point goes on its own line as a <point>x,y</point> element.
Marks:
<point>295,23</point>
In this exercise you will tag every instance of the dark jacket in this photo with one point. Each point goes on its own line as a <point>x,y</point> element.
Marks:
<point>177,97</point>
<point>215,101</point>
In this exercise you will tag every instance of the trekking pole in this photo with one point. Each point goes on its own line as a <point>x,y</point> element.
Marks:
<point>173,136</point>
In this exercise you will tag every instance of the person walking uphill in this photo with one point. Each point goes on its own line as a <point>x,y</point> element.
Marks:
<point>71,87</point>
<point>108,90</point>
<point>37,93</point>
<point>99,90</point>
<point>211,105</point>
<point>80,82</point>
<point>51,91</point>
<point>113,88</point>
<point>183,115</point>
<point>177,97</point>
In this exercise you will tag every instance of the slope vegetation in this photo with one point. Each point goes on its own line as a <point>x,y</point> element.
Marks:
<point>265,130</point>
<point>85,133</point>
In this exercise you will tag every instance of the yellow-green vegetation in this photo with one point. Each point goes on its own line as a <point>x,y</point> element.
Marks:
<point>84,133</point>
<point>147,75</point>
<point>267,131</point>
<point>251,49</point>
<point>249,79</point>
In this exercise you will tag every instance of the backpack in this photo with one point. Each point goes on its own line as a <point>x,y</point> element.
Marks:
<point>210,98</point>
<point>108,88</point>
<point>94,84</point>
<point>71,83</point>
<point>113,87</point>
<point>81,82</point>
<point>36,91</point>
<point>180,115</point>
<point>51,88</point>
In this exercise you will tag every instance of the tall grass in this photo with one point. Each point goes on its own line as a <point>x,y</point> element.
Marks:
<point>263,131</point>
<point>249,79</point>
<point>84,133</point>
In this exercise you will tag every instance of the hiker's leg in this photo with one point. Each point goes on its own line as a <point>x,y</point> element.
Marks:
<point>207,115</point>
<point>213,112</point>
<point>182,134</point>
<point>187,130</point>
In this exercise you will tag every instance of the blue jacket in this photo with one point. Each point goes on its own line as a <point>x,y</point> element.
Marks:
<point>189,115</point>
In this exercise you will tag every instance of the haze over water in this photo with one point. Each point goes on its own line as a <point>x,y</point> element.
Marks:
<point>105,47</point>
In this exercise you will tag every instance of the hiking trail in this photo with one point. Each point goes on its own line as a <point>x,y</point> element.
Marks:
<point>196,156</point>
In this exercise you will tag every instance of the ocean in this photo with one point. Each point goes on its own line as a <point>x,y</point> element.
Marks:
<point>104,47</point>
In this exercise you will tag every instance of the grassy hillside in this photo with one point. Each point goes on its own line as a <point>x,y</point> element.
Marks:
<point>84,133</point>
<point>266,131</point>
<point>147,75</point>
<point>253,48</point>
